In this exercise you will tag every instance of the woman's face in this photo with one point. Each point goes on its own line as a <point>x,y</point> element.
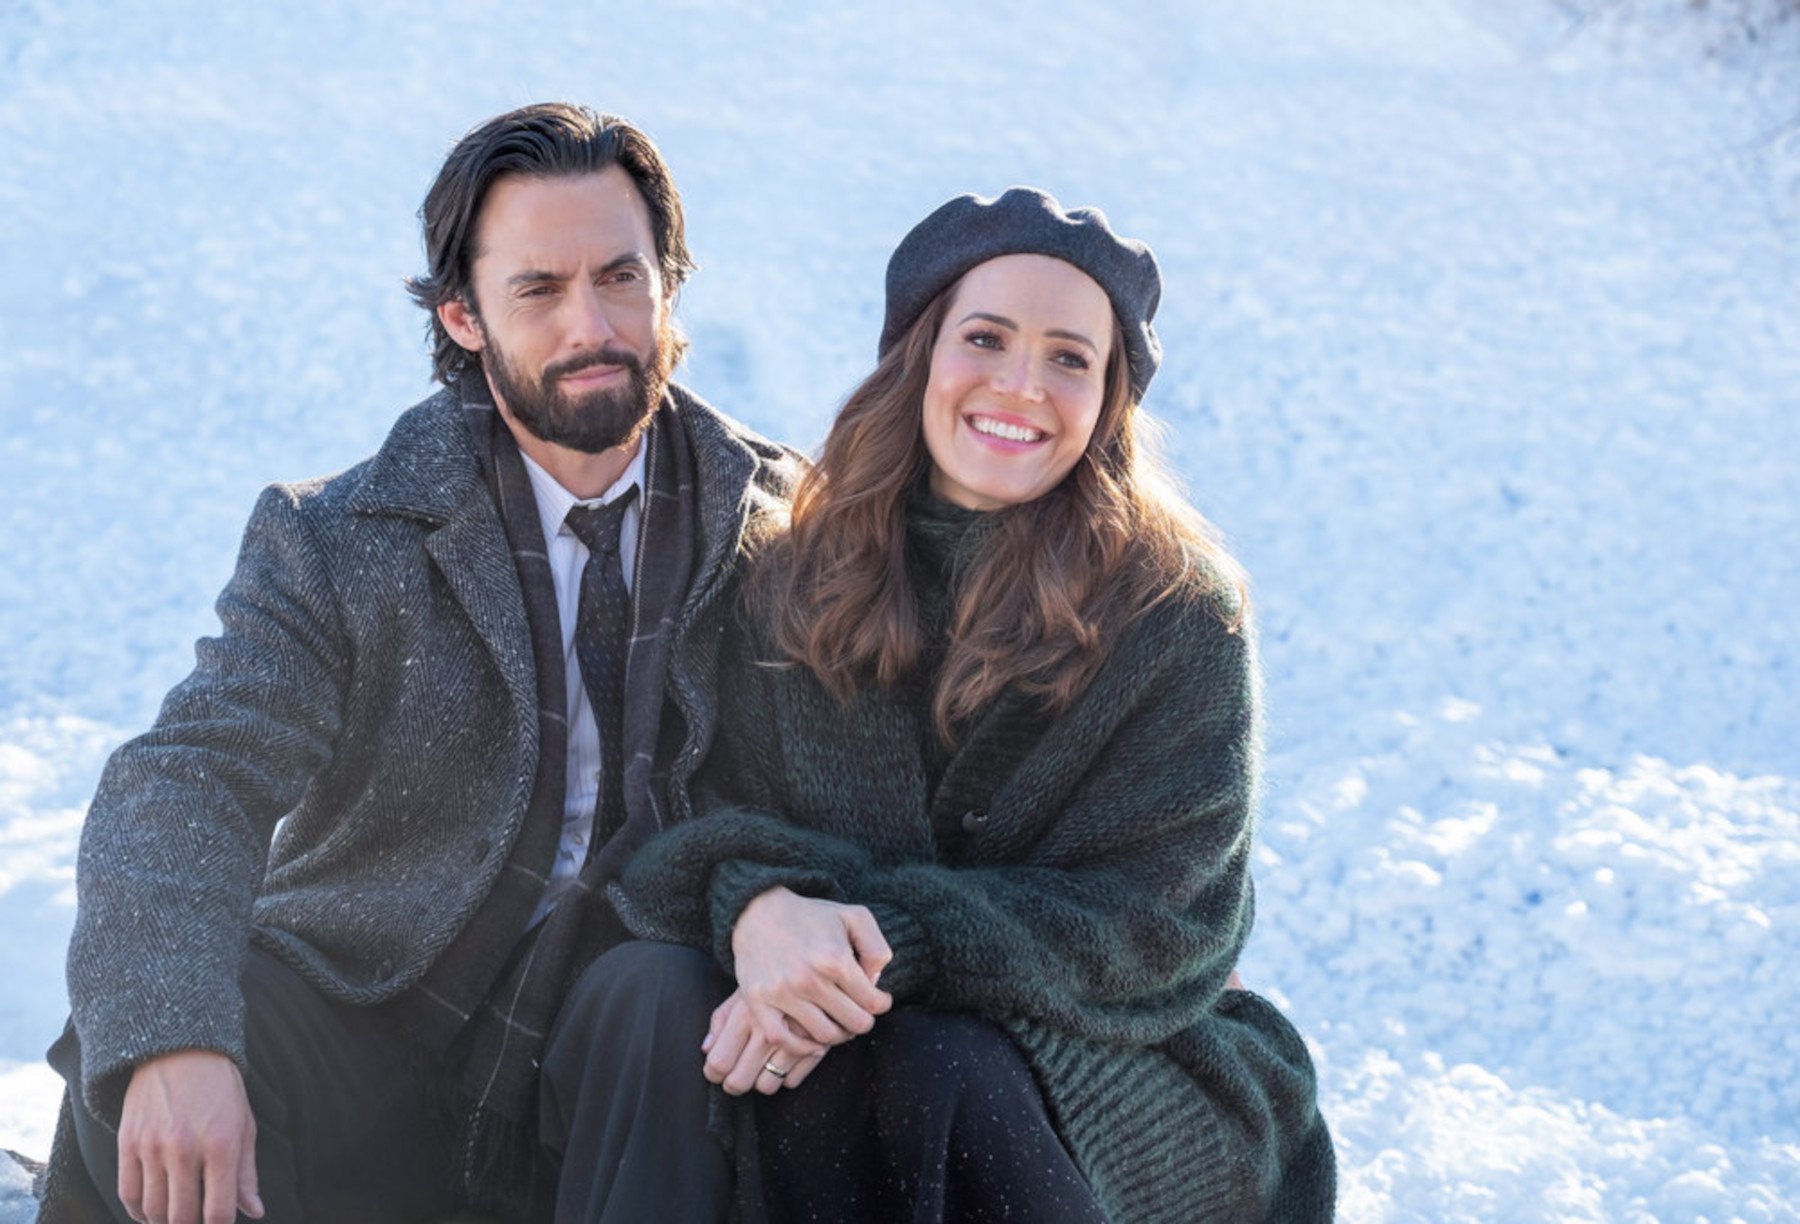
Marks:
<point>1018,374</point>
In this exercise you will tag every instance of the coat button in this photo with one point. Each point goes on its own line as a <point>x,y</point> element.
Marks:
<point>384,971</point>
<point>974,822</point>
<point>478,853</point>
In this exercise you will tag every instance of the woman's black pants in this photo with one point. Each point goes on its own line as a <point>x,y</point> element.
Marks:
<point>929,1117</point>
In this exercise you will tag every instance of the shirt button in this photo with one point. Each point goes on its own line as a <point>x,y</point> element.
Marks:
<point>974,822</point>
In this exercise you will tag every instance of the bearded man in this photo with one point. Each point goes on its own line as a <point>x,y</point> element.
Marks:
<point>333,902</point>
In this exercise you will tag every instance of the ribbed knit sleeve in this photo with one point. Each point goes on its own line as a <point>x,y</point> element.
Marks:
<point>174,844</point>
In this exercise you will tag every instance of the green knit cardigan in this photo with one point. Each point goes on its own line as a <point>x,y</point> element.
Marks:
<point>1082,881</point>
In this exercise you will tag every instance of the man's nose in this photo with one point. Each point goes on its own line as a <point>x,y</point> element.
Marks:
<point>588,325</point>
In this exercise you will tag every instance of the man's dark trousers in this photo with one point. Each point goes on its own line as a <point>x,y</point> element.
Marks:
<point>350,1118</point>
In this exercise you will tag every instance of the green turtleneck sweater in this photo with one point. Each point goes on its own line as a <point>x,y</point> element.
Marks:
<point>941,537</point>
<point>1081,880</point>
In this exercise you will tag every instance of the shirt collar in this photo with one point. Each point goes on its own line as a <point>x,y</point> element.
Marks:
<point>554,501</point>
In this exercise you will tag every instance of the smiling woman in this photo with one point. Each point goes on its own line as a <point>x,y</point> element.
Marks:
<point>976,825</point>
<point>1017,379</point>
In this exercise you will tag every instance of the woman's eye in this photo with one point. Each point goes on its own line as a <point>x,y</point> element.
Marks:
<point>984,339</point>
<point>1073,361</point>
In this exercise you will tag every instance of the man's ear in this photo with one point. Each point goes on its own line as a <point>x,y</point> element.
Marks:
<point>463,324</point>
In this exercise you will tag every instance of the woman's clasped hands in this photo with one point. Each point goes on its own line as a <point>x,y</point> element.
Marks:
<point>806,973</point>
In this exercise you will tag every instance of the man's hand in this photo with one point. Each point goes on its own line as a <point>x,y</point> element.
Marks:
<point>187,1142</point>
<point>738,1059</point>
<point>812,962</point>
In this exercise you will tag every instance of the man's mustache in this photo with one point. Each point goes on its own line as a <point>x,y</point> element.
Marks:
<point>588,361</point>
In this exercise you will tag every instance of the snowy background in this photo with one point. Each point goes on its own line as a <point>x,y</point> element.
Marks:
<point>1483,333</point>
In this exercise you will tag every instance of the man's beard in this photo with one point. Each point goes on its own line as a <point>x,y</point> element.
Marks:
<point>596,421</point>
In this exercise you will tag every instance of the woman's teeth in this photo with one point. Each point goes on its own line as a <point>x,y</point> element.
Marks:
<point>1003,429</point>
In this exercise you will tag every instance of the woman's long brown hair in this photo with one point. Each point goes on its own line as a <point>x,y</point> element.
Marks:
<point>1045,595</point>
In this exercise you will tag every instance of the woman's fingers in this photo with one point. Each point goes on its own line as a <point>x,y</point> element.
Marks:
<point>799,1071</point>
<point>853,1002</point>
<point>775,1031</point>
<point>756,1063</point>
<point>872,951</point>
<point>728,1043</point>
<point>799,1026</point>
<point>792,951</point>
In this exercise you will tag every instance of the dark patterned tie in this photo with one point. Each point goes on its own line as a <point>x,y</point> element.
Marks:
<point>602,636</point>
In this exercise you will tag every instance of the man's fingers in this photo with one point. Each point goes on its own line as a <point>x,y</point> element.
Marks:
<point>219,1184</point>
<point>183,1182</point>
<point>131,1180</point>
<point>184,1129</point>
<point>249,1194</point>
<point>155,1198</point>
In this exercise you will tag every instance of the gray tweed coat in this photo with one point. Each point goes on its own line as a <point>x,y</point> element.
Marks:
<point>342,775</point>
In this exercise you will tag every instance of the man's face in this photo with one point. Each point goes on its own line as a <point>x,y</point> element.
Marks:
<point>569,312</point>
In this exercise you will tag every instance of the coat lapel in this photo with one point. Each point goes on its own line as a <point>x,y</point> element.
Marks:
<point>427,470</point>
<point>472,554</point>
<point>733,485</point>
<point>726,496</point>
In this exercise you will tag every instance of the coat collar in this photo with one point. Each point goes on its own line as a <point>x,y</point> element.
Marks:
<point>427,469</point>
<point>740,478</point>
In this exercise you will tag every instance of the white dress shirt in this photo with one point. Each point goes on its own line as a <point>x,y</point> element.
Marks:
<point>568,557</point>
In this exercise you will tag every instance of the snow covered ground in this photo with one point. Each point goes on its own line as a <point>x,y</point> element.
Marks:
<point>1483,328</point>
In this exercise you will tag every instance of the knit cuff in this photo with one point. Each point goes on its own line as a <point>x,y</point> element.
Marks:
<point>738,882</point>
<point>1149,1140</point>
<point>910,974</point>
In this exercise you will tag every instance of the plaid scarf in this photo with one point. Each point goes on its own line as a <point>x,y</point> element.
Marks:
<point>489,1002</point>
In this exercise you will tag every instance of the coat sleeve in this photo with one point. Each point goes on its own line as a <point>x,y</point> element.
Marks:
<point>1117,895</point>
<point>174,845</point>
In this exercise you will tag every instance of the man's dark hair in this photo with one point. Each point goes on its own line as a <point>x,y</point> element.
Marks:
<point>548,140</point>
